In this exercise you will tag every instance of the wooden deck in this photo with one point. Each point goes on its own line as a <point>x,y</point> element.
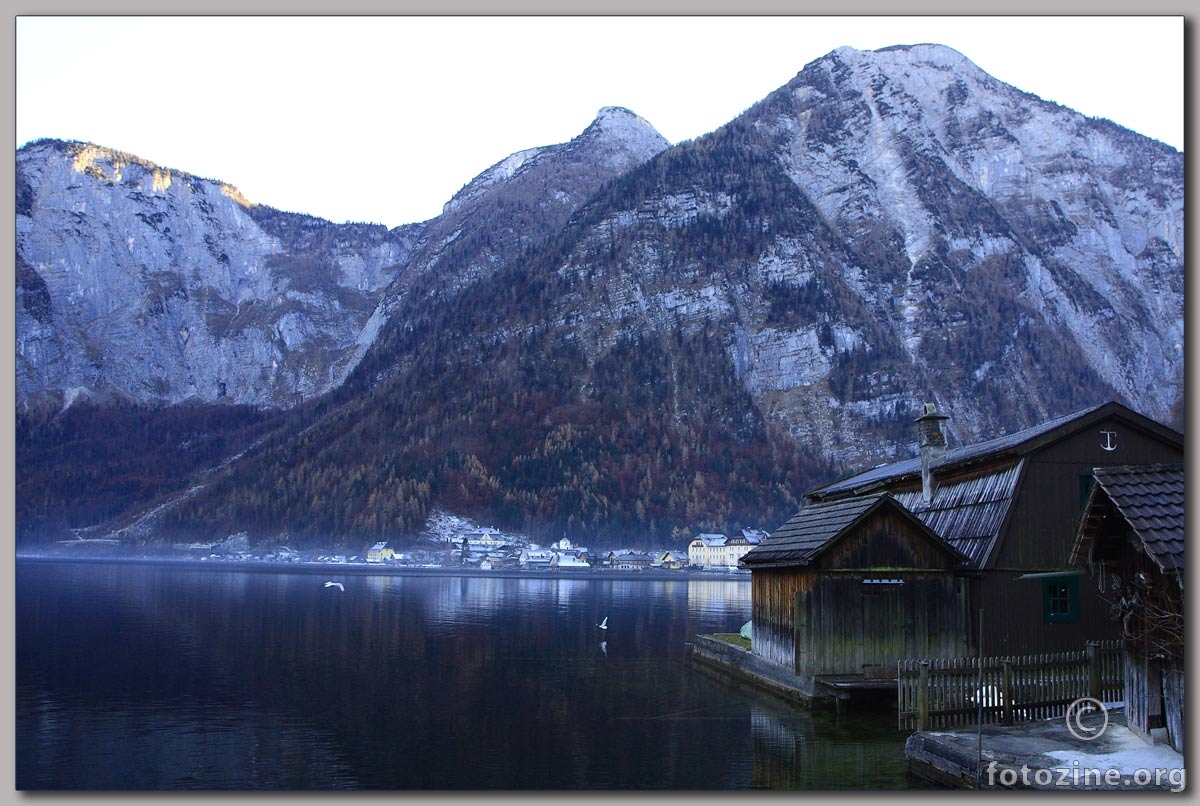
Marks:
<point>848,689</point>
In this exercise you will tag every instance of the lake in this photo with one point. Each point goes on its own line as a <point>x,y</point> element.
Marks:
<point>167,677</point>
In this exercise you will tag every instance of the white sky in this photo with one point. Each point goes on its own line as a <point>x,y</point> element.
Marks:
<point>383,119</point>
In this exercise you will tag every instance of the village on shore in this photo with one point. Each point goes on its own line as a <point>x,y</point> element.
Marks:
<point>489,549</point>
<point>475,548</point>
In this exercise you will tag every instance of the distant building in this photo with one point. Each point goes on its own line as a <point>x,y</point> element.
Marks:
<point>495,561</point>
<point>712,551</point>
<point>536,559</point>
<point>566,561</point>
<point>380,552</point>
<point>629,560</point>
<point>484,539</point>
<point>565,546</point>
<point>672,560</point>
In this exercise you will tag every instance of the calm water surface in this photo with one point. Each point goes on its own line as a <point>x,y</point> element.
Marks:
<point>152,677</point>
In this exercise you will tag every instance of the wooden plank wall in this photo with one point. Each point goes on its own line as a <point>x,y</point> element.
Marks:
<point>1143,692</point>
<point>773,597</point>
<point>1173,706</point>
<point>855,627</point>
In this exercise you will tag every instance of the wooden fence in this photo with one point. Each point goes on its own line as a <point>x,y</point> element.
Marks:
<point>945,692</point>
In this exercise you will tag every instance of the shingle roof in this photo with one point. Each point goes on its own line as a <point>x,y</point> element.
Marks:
<point>968,512</point>
<point>1017,443</point>
<point>809,530</point>
<point>816,526</point>
<point>1151,499</point>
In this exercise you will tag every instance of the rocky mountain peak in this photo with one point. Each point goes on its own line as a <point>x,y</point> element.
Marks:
<point>622,125</point>
<point>617,138</point>
<point>614,335</point>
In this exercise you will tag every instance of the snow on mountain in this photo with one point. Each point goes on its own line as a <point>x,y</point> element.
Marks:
<point>619,333</point>
<point>142,282</point>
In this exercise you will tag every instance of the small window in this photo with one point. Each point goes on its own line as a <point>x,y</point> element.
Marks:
<point>1060,600</point>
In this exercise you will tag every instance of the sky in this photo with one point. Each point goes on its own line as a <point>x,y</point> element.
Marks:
<point>384,119</point>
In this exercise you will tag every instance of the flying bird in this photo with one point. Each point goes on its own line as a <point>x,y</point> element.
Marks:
<point>603,624</point>
<point>337,585</point>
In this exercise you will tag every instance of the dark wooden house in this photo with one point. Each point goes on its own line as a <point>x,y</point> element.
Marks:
<point>1131,539</point>
<point>866,583</point>
<point>997,526</point>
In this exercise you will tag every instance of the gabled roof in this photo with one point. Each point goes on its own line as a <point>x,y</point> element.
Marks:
<point>1014,445</point>
<point>968,512</point>
<point>817,526</point>
<point>1151,500</point>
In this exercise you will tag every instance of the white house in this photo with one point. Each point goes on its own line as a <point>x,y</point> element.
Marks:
<point>719,552</point>
<point>566,561</point>
<point>483,539</point>
<point>536,558</point>
<point>380,552</point>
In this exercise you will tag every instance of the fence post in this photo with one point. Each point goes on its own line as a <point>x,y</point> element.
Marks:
<point>1093,655</point>
<point>1006,691</point>
<point>923,695</point>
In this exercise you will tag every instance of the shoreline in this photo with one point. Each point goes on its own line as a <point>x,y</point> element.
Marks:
<point>379,569</point>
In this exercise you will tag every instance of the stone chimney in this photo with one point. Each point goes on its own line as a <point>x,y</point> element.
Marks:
<point>932,441</point>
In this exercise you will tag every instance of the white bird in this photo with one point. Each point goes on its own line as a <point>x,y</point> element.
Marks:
<point>603,624</point>
<point>337,585</point>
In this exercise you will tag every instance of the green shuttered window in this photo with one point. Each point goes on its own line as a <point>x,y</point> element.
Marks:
<point>1060,600</point>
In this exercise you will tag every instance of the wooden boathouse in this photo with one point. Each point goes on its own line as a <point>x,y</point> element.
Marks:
<point>1131,539</point>
<point>897,562</point>
<point>865,583</point>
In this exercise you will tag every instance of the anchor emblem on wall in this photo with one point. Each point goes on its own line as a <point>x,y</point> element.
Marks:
<point>1110,440</point>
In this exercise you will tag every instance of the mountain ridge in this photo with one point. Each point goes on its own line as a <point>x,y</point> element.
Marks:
<point>617,336</point>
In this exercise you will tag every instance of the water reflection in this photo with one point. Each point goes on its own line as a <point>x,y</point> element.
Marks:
<point>709,596</point>
<point>796,749</point>
<point>142,677</point>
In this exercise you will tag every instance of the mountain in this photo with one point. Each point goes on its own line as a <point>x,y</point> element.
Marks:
<point>614,338</point>
<point>149,284</point>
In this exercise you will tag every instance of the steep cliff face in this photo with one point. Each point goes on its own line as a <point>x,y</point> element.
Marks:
<point>890,227</point>
<point>1006,244</point>
<point>144,283</point>
<point>511,209</point>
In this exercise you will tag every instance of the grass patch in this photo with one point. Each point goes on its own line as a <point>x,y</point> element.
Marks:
<point>732,638</point>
